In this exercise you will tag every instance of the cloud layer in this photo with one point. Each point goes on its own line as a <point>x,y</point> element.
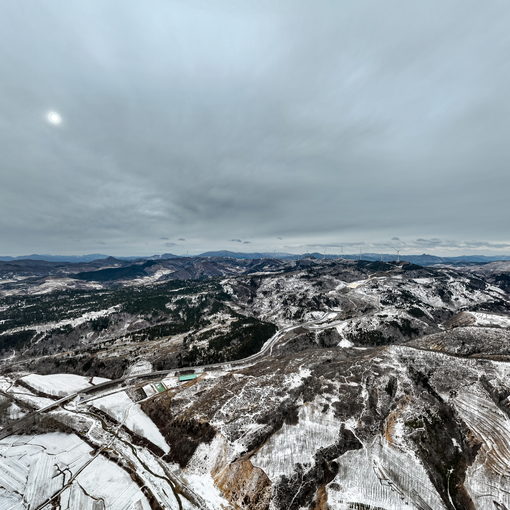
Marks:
<point>191,124</point>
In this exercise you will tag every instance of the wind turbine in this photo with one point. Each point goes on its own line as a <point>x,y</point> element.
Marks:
<point>398,255</point>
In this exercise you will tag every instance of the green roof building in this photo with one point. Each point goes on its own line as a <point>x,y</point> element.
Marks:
<point>187,377</point>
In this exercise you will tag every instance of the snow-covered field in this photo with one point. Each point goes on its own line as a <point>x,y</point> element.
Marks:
<point>33,469</point>
<point>47,286</point>
<point>491,319</point>
<point>121,408</point>
<point>294,444</point>
<point>60,385</point>
<point>118,405</point>
<point>380,476</point>
<point>152,278</point>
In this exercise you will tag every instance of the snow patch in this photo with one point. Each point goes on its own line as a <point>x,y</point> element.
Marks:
<point>60,385</point>
<point>491,319</point>
<point>121,408</point>
<point>32,469</point>
<point>294,444</point>
<point>295,380</point>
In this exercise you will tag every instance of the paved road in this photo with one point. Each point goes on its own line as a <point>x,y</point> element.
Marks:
<point>267,349</point>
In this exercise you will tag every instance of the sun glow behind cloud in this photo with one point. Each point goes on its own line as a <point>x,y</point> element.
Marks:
<point>54,118</point>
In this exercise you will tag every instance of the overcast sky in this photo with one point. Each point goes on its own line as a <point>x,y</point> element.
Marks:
<point>254,125</point>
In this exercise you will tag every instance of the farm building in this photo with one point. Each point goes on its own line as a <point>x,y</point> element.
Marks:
<point>187,377</point>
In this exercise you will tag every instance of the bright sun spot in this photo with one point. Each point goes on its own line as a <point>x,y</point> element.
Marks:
<point>54,118</point>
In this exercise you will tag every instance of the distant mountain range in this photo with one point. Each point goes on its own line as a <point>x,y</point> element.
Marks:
<point>423,259</point>
<point>59,258</point>
<point>84,258</point>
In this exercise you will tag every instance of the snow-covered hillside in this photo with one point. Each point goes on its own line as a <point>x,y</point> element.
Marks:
<point>316,385</point>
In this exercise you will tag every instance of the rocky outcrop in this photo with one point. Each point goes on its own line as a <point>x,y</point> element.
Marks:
<point>245,486</point>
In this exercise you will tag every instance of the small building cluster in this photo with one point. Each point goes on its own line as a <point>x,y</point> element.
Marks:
<point>161,386</point>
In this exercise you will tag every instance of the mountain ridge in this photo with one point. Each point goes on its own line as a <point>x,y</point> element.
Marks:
<point>423,259</point>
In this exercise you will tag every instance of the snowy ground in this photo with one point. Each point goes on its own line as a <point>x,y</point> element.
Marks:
<point>294,444</point>
<point>491,320</point>
<point>118,405</point>
<point>60,385</point>
<point>35,468</point>
<point>86,317</point>
<point>121,408</point>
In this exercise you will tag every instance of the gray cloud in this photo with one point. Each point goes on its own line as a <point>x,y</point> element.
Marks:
<point>451,244</point>
<point>325,122</point>
<point>412,246</point>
